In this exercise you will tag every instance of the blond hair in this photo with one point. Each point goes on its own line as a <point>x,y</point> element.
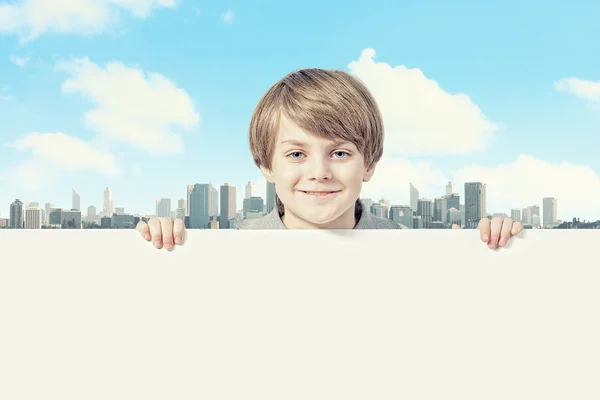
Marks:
<point>331,104</point>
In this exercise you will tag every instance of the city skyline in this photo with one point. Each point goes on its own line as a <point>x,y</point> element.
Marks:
<point>146,97</point>
<point>205,207</point>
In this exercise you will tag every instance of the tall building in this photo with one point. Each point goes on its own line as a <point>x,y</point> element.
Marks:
<point>450,189</point>
<point>33,218</point>
<point>536,216</point>
<point>91,214</point>
<point>16,214</point>
<point>270,197</point>
<point>108,203</point>
<point>402,215</point>
<point>440,209</point>
<point>228,205</point>
<point>515,215</point>
<point>253,205</point>
<point>425,211</point>
<point>380,209</point>
<point>47,208</point>
<point>199,206</point>
<point>163,208</point>
<point>250,190</point>
<point>550,212</point>
<point>75,200</point>
<point>190,188</point>
<point>475,203</point>
<point>414,198</point>
<point>214,202</point>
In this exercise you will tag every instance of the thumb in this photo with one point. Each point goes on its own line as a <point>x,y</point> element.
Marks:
<point>455,226</point>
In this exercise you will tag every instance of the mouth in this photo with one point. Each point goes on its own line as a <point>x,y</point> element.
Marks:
<point>320,194</point>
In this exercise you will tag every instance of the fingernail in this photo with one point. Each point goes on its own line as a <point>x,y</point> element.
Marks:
<point>169,246</point>
<point>178,240</point>
<point>157,243</point>
<point>485,238</point>
<point>147,236</point>
<point>502,242</point>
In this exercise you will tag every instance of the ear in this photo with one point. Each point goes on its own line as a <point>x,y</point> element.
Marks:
<point>267,174</point>
<point>369,173</point>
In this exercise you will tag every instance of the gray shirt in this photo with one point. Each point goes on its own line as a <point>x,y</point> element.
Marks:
<point>366,220</point>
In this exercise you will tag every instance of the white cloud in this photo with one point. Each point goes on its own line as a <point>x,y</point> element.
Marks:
<point>136,107</point>
<point>57,152</point>
<point>227,17</point>
<point>420,117</point>
<point>581,88</point>
<point>19,61</point>
<point>31,18</point>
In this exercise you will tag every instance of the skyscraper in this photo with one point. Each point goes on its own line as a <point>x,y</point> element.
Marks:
<point>550,212</point>
<point>199,206</point>
<point>75,200</point>
<point>250,190</point>
<point>228,205</point>
<point>450,189</point>
<point>475,202</point>
<point>108,203</point>
<point>414,198</point>
<point>163,208</point>
<point>16,214</point>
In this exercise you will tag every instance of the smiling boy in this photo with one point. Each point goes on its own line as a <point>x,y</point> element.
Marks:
<point>317,135</point>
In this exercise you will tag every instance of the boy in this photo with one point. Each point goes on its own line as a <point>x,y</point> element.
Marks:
<point>318,136</point>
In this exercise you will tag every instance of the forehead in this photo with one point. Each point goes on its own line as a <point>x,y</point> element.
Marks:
<point>290,132</point>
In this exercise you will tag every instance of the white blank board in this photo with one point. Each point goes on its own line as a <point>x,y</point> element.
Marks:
<point>403,314</point>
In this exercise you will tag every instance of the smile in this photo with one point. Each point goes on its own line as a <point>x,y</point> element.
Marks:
<point>320,194</point>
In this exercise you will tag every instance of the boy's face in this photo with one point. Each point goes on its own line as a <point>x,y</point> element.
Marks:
<point>317,180</point>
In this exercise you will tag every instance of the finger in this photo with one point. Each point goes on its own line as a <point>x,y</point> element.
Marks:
<point>495,229</point>
<point>155,232</point>
<point>142,228</point>
<point>167,233</point>
<point>454,226</point>
<point>505,233</point>
<point>178,229</point>
<point>484,229</point>
<point>517,228</point>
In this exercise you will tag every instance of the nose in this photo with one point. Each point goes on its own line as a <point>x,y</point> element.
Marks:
<point>318,169</point>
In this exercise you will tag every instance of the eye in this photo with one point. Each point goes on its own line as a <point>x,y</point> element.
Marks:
<point>340,154</point>
<point>295,155</point>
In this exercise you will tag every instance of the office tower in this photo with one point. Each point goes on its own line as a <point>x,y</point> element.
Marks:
<point>190,188</point>
<point>214,202</point>
<point>108,203</point>
<point>250,190</point>
<point>182,204</point>
<point>440,209</point>
<point>475,203</point>
<point>253,205</point>
<point>414,198</point>
<point>75,200</point>
<point>452,201</point>
<point>163,208</point>
<point>515,214</point>
<point>380,210</point>
<point>71,219</point>
<point>228,205</point>
<point>270,197</point>
<point>526,215</point>
<point>91,214</point>
<point>454,217</point>
<point>425,211</point>
<point>550,212</point>
<point>450,189</point>
<point>402,215</point>
<point>16,214</point>
<point>47,207</point>
<point>536,216</point>
<point>199,206</point>
<point>33,218</point>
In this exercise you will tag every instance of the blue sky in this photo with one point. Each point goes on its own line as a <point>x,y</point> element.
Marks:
<point>147,96</point>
